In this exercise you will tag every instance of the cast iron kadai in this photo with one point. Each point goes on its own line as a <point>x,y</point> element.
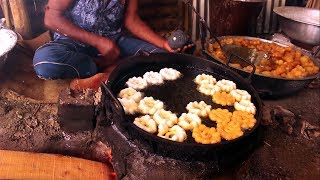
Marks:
<point>176,95</point>
<point>270,87</point>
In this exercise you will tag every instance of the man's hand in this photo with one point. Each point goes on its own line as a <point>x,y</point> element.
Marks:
<point>109,51</point>
<point>168,48</point>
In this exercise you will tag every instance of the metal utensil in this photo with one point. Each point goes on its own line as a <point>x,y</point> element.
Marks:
<point>299,23</point>
<point>253,55</point>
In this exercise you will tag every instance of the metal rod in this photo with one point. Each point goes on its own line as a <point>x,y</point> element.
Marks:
<point>204,24</point>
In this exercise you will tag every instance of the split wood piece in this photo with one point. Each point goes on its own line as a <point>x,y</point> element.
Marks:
<point>22,165</point>
<point>21,19</point>
<point>6,12</point>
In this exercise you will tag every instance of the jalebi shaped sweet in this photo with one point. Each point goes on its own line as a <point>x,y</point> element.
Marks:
<point>149,105</point>
<point>230,131</point>
<point>129,105</point>
<point>199,108</point>
<point>146,123</point>
<point>208,89</point>
<point>130,93</point>
<point>176,133</point>
<point>240,95</point>
<point>223,98</point>
<point>170,74</point>
<point>221,116</point>
<point>245,105</point>
<point>205,79</point>
<point>226,85</point>
<point>246,120</point>
<point>205,135</point>
<point>137,83</point>
<point>153,78</point>
<point>166,117</point>
<point>163,128</point>
<point>189,121</point>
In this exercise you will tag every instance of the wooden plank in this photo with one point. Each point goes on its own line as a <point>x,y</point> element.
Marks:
<point>22,165</point>
<point>6,12</point>
<point>21,20</point>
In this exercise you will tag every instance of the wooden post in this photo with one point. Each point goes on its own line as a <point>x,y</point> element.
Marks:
<point>21,19</point>
<point>6,12</point>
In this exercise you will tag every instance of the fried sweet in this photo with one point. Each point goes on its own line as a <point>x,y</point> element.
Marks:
<point>285,62</point>
<point>205,79</point>
<point>170,74</point>
<point>199,108</point>
<point>189,121</point>
<point>223,98</point>
<point>163,128</point>
<point>208,89</point>
<point>245,105</point>
<point>153,78</point>
<point>130,93</point>
<point>205,135</point>
<point>230,131</point>
<point>226,85</point>
<point>137,83</point>
<point>240,95</point>
<point>129,105</point>
<point>149,105</point>
<point>246,120</point>
<point>176,133</point>
<point>165,117</point>
<point>146,123</point>
<point>220,116</point>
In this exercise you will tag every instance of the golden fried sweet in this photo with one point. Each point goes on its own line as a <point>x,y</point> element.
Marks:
<point>245,105</point>
<point>146,123</point>
<point>221,116</point>
<point>281,62</point>
<point>205,135</point>
<point>223,98</point>
<point>246,120</point>
<point>176,133</point>
<point>230,131</point>
<point>226,85</point>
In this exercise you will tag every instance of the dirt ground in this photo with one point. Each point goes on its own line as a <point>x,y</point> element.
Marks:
<point>28,122</point>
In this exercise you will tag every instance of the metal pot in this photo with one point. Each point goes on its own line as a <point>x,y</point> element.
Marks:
<point>270,87</point>
<point>299,23</point>
<point>175,100</point>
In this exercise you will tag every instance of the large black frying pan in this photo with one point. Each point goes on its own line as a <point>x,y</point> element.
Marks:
<point>176,95</point>
<point>267,86</point>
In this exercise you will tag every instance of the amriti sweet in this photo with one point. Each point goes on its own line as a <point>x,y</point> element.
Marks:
<point>146,123</point>
<point>199,108</point>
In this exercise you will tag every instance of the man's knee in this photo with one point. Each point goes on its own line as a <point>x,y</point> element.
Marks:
<point>48,71</point>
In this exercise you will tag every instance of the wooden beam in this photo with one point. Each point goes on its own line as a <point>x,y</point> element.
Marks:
<point>6,12</point>
<point>21,19</point>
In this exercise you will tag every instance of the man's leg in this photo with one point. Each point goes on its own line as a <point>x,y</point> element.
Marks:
<point>130,46</point>
<point>63,59</point>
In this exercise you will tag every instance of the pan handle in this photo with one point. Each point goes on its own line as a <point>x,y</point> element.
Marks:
<point>114,104</point>
<point>249,78</point>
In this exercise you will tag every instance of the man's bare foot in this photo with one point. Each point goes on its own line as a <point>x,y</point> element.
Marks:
<point>93,82</point>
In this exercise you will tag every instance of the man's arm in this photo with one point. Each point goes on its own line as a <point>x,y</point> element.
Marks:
<point>56,21</point>
<point>137,27</point>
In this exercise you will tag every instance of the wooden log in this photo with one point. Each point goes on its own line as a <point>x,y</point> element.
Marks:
<point>21,19</point>
<point>22,165</point>
<point>6,12</point>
